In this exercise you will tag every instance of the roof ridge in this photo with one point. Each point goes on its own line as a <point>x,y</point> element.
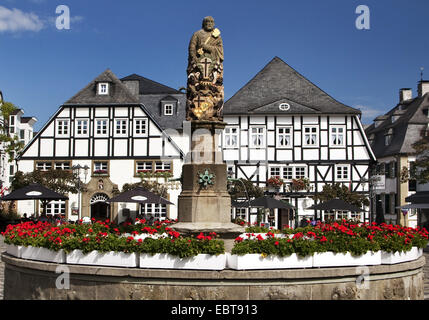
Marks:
<point>150,80</point>
<point>109,73</point>
<point>290,84</point>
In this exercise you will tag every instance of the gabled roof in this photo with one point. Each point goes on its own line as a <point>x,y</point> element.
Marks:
<point>147,86</point>
<point>407,128</point>
<point>118,93</point>
<point>277,81</point>
<point>28,119</point>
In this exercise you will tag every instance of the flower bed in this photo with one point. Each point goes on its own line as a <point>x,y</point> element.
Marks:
<point>106,244</point>
<point>159,246</point>
<point>336,244</point>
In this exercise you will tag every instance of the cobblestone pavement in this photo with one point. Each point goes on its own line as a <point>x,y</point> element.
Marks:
<point>426,271</point>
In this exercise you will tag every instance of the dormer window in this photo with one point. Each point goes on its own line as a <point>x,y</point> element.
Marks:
<point>103,88</point>
<point>168,109</point>
<point>388,137</point>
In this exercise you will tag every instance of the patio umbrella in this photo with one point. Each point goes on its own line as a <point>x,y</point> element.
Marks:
<point>139,195</point>
<point>240,204</point>
<point>270,203</point>
<point>336,204</point>
<point>34,191</point>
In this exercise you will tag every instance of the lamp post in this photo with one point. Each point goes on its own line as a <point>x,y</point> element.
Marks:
<point>230,173</point>
<point>76,170</point>
<point>370,182</point>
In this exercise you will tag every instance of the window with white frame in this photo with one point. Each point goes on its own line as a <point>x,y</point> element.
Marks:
<point>310,136</point>
<point>55,207</point>
<point>288,173</point>
<point>257,137</point>
<point>231,137</point>
<point>82,127</point>
<point>241,213</point>
<point>275,172</point>
<point>152,209</point>
<point>284,137</point>
<point>101,167</point>
<point>63,165</point>
<point>101,127</point>
<point>337,136</point>
<point>342,172</point>
<point>103,88</point>
<point>62,127</point>
<point>162,166</point>
<point>300,172</point>
<point>168,109</point>
<point>144,166</point>
<point>140,127</point>
<point>121,126</point>
<point>43,166</point>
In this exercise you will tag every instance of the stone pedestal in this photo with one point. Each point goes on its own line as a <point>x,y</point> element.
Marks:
<point>206,208</point>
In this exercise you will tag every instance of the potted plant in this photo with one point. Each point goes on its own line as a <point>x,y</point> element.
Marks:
<point>300,185</point>
<point>275,183</point>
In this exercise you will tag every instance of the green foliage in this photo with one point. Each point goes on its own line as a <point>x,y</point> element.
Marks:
<point>420,170</point>
<point>61,181</point>
<point>340,191</point>
<point>181,247</point>
<point>236,189</point>
<point>152,186</point>
<point>11,144</point>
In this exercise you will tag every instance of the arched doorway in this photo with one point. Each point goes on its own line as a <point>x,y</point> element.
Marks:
<point>100,209</point>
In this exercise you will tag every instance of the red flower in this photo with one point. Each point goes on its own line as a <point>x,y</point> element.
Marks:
<point>239,239</point>
<point>259,237</point>
<point>276,243</point>
<point>200,236</point>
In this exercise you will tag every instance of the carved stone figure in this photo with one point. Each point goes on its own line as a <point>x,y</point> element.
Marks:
<point>205,93</point>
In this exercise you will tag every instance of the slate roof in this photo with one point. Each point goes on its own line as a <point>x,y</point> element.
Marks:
<point>278,82</point>
<point>406,130</point>
<point>153,102</point>
<point>27,119</point>
<point>148,86</point>
<point>152,94</point>
<point>118,93</point>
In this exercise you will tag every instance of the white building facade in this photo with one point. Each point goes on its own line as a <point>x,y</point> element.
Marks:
<point>281,125</point>
<point>17,126</point>
<point>278,125</point>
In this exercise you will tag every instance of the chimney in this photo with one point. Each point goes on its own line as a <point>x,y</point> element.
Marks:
<point>405,94</point>
<point>423,87</point>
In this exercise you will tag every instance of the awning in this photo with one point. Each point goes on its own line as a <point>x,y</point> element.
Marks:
<point>139,195</point>
<point>420,197</point>
<point>336,204</point>
<point>415,206</point>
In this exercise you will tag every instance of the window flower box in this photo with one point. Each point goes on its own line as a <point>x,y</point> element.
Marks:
<point>198,262</point>
<point>331,259</point>
<point>300,185</point>
<point>100,172</point>
<point>258,261</point>
<point>113,259</point>
<point>274,183</point>
<point>399,257</point>
<point>43,254</point>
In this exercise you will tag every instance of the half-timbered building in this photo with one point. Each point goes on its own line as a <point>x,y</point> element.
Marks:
<point>107,129</point>
<point>278,125</point>
<point>282,125</point>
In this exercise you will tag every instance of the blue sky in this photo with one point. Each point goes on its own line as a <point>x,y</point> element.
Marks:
<point>41,67</point>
